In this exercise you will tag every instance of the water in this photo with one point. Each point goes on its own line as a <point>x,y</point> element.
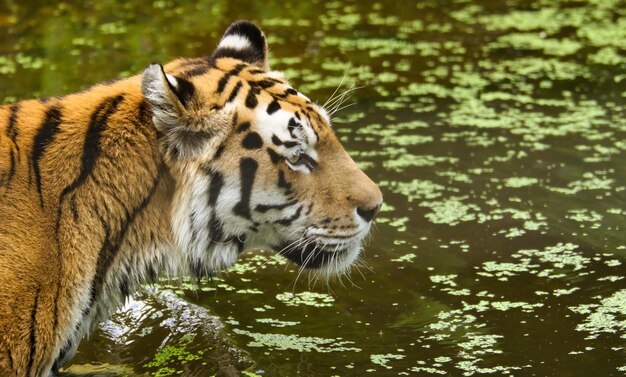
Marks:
<point>496,130</point>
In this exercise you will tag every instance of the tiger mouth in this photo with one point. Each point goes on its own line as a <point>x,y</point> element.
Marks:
<point>313,255</point>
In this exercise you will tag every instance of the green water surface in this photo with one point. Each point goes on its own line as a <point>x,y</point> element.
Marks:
<point>497,132</point>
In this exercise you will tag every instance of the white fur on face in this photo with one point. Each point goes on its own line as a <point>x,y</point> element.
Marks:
<point>288,223</point>
<point>275,124</point>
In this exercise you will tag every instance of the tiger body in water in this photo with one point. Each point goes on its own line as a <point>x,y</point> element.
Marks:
<point>178,170</point>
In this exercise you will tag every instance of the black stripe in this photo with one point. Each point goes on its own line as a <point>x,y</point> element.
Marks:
<point>96,282</point>
<point>291,91</point>
<point>292,126</point>
<point>249,55</point>
<point>11,166</point>
<point>59,359</point>
<point>290,144</point>
<point>247,171</point>
<point>10,357</point>
<point>275,157</point>
<point>216,229</point>
<point>251,100</point>
<point>216,232</point>
<point>221,85</point>
<point>192,222</point>
<point>184,90</point>
<point>144,115</point>
<point>91,147</point>
<point>234,93</point>
<point>243,127</point>
<point>309,162</point>
<point>33,334</point>
<point>215,187</point>
<point>11,131</point>
<point>112,243</point>
<point>273,107</point>
<point>266,207</point>
<point>125,285</point>
<point>288,221</point>
<point>45,136</point>
<point>218,152</point>
<point>265,83</point>
<point>196,71</point>
<point>74,208</point>
<point>276,140</point>
<point>252,141</point>
<point>317,137</point>
<point>282,182</point>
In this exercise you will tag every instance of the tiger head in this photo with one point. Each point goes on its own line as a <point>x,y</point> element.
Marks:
<point>256,163</point>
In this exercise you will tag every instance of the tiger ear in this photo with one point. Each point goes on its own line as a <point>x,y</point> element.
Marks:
<point>244,40</point>
<point>170,97</point>
<point>162,89</point>
<point>167,95</point>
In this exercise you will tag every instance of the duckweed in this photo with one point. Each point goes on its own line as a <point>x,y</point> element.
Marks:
<point>306,298</point>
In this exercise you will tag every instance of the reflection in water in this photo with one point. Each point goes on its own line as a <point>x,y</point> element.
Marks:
<point>496,131</point>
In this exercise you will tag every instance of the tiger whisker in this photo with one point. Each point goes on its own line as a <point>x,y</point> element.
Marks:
<point>337,99</point>
<point>284,249</point>
<point>302,267</point>
<point>337,106</point>
<point>323,259</point>
<point>345,74</point>
<point>341,97</point>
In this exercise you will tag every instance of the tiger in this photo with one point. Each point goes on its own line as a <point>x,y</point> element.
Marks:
<point>178,171</point>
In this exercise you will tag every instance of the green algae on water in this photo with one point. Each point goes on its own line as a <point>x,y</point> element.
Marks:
<point>306,298</point>
<point>298,343</point>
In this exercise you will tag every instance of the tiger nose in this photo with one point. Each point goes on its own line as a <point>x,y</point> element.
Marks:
<point>368,213</point>
<point>368,200</point>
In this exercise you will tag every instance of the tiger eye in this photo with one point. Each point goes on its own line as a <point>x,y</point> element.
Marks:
<point>295,159</point>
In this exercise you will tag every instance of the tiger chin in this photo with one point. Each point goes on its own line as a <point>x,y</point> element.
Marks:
<point>175,171</point>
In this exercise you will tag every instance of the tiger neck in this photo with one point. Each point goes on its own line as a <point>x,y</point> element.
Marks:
<point>137,244</point>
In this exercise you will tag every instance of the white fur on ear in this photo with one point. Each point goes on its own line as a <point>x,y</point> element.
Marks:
<point>153,84</point>
<point>158,89</point>
<point>172,80</point>
<point>244,40</point>
<point>187,134</point>
<point>235,41</point>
